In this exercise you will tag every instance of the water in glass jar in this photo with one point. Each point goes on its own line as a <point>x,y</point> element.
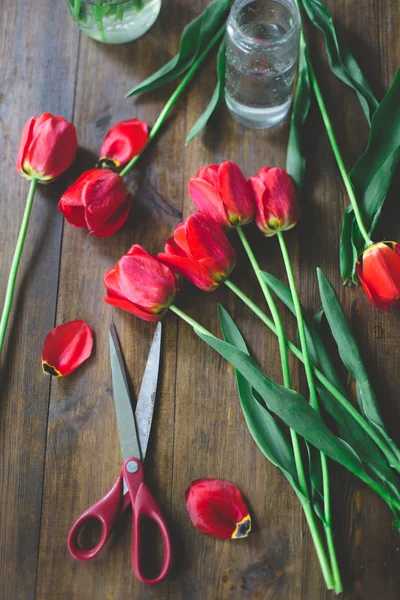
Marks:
<point>261,60</point>
<point>117,23</point>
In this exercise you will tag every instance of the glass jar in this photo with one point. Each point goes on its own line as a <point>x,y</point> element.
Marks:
<point>115,21</point>
<point>262,52</point>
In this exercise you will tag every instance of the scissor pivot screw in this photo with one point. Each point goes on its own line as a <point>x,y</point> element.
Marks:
<point>132,466</point>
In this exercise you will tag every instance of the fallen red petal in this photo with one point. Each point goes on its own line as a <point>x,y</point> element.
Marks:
<point>66,347</point>
<point>217,507</point>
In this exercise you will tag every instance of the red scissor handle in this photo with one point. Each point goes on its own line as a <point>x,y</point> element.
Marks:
<point>144,505</point>
<point>105,511</point>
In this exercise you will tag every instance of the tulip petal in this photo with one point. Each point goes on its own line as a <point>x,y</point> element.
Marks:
<point>207,199</point>
<point>115,298</point>
<point>70,203</point>
<point>378,269</point>
<point>26,137</point>
<point>209,174</point>
<point>191,269</point>
<point>52,147</point>
<point>217,507</point>
<point>102,195</point>
<point>116,220</point>
<point>124,141</point>
<point>145,281</point>
<point>66,347</point>
<point>208,243</point>
<point>236,192</point>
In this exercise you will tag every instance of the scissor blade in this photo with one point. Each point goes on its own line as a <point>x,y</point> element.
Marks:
<point>128,437</point>
<point>147,394</point>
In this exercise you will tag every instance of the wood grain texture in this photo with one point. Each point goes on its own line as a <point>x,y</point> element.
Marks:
<point>58,439</point>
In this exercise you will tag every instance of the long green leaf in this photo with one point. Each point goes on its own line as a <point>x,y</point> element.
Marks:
<point>372,175</point>
<point>288,405</point>
<point>341,61</point>
<point>295,160</point>
<point>348,427</point>
<point>262,425</point>
<point>351,358</point>
<point>194,39</point>
<point>216,99</point>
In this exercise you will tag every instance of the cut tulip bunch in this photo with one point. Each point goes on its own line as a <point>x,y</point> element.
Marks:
<point>201,252</point>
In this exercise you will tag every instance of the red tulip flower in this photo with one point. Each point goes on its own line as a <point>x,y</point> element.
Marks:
<point>222,193</point>
<point>141,285</point>
<point>217,507</point>
<point>276,202</point>
<point>200,251</point>
<point>66,347</point>
<point>124,141</point>
<point>98,200</point>
<point>47,148</point>
<point>378,269</point>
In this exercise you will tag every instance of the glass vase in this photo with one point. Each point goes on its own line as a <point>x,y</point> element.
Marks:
<point>114,21</point>
<point>262,51</point>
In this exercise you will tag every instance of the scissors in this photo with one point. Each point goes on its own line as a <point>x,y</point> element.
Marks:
<point>134,432</point>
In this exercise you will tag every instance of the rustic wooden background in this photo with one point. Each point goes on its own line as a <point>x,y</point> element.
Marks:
<point>59,448</point>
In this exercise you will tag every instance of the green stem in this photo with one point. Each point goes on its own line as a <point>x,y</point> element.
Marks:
<point>76,9</point>
<point>314,404</point>
<point>336,152</point>
<point>163,114</point>
<point>318,374</point>
<point>15,262</point>
<point>381,491</point>
<point>286,382</point>
<point>99,22</point>
<point>271,305</point>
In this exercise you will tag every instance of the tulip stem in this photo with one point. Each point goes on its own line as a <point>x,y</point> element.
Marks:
<point>286,382</point>
<point>314,404</point>
<point>393,503</point>
<point>15,262</point>
<point>164,113</point>
<point>76,9</point>
<point>336,152</point>
<point>318,374</point>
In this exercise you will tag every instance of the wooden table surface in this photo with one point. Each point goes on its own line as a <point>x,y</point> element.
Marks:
<point>59,448</point>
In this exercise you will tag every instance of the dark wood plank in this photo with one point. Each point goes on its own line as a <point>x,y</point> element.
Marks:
<point>37,73</point>
<point>83,455</point>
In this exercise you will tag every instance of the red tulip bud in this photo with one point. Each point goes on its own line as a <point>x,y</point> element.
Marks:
<point>47,147</point>
<point>98,200</point>
<point>124,141</point>
<point>217,507</point>
<point>200,251</point>
<point>141,285</point>
<point>66,347</point>
<point>222,193</point>
<point>378,269</point>
<point>276,202</point>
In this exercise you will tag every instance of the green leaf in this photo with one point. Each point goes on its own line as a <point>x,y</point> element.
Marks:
<point>262,425</point>
<point>351,358</point>
<point>348,427</point>
<point>341,61</point>
<point>288,405</point>
<point>348,251</point>
<point>295,161</point>
<point>372,175</point>
<point>194,39</point>
<point>317,484</point>
<point>218,95</point>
